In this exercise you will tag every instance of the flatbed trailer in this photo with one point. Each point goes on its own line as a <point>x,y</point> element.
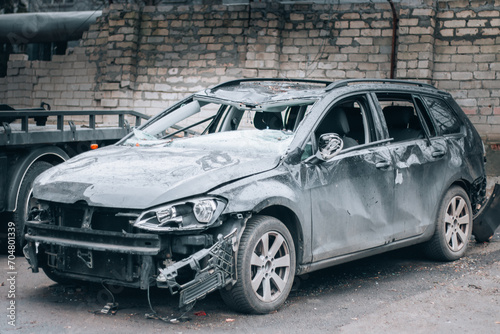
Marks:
<point>33,140</point>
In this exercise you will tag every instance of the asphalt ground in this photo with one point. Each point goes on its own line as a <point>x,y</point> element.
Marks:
<point>397,292</point>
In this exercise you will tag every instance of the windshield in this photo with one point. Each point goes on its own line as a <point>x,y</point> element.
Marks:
<point>196,117</point>
<point>250,141</point>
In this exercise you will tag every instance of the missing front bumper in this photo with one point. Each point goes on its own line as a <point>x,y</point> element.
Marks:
<point>130,259</point>
<point>210,269</point>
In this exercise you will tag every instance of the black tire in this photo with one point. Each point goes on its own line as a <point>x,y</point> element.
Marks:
<point>453,227</point>
<point>272,273</point>
<point>25,201</point>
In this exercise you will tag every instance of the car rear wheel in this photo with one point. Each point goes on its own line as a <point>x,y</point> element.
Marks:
<point>453,227</point>
<point>265,267</point>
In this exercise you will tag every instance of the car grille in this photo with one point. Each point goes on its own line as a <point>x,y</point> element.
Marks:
<point>103,219</point>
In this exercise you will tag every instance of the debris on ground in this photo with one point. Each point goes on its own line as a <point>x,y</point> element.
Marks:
<point>110,308</point>
<point>156,316</point>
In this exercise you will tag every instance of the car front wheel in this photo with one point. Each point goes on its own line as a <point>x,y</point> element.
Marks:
<point>265,267</point>
<point>453,227</point>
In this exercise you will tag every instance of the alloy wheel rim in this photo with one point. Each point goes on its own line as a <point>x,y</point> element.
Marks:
<point>457,224</point>
<point>270,266</point>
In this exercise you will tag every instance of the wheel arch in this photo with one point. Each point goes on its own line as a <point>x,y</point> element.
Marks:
<point>466,185</point>
<point>292,222</point>
<point>476,190</point>
<point>455,181</point>
<point>52,154</point>
<point>438,246</point>
<point>459,180</point>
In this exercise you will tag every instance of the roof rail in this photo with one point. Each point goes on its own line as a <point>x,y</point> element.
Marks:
<point>346,82</point>
<point>238,81</point>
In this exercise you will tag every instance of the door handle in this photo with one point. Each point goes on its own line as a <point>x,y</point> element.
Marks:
<point>438,153</point>
<point>383,164</point>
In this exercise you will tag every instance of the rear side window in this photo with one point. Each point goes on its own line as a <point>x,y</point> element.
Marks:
<point>445,119</point>
<point>401,116</point>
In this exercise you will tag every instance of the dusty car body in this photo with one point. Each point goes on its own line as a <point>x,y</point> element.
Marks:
<point>321,173</point>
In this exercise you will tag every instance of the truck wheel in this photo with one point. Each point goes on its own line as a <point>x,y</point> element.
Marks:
<point>25,200</point>
<point>265,267</point>
<point>453,227</point>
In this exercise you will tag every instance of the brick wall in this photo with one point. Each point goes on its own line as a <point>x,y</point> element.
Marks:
<point>147,58</point>
<point>467,60</point>
<point>66,82</point>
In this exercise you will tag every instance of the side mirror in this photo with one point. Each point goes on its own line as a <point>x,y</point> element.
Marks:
<point>330,144</point>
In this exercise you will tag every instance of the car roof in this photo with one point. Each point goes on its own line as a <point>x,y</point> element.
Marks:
<point>257,92</point>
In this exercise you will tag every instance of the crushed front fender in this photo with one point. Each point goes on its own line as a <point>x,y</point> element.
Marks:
<point>201,273</point>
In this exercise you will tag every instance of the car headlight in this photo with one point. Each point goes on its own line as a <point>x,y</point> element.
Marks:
<point>204,210</point>
<point>189,215</point>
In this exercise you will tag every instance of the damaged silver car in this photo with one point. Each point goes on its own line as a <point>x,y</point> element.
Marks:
<point>241,187</point>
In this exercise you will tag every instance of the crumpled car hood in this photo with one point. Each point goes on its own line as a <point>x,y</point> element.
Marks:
<point>142,177</point>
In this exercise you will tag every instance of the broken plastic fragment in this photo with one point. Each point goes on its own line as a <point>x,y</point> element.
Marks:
<point>180,319</point>
<point>156,317</point>
<point>110,308</point>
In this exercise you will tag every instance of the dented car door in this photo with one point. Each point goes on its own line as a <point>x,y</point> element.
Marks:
<point>352,194</point>
<point>352,201</point>
<point>417,163</point>
<point>423,162</point>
